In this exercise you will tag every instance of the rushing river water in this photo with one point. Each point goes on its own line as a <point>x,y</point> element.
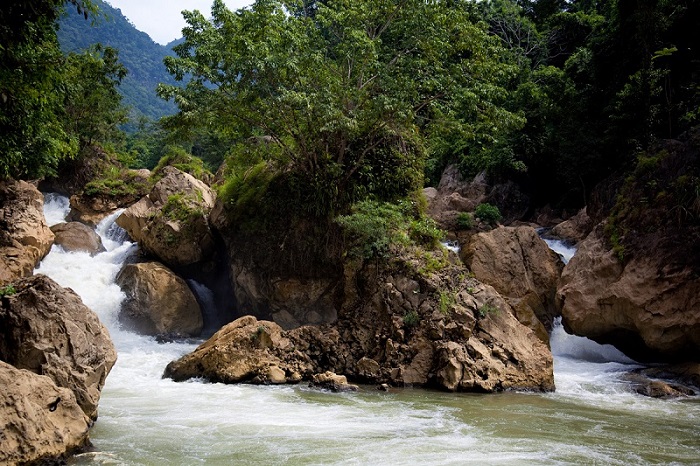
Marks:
<point>592,418</point>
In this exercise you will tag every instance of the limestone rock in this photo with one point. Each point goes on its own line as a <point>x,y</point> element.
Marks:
<point>333,382</point>
<point>646,307</point>
<point>171,223</point>
<point>158,301</point>
<point>47,329</point>
<point>520,266</point>
<point>442,330</point>
<point>25,238</point>
<point>75,236</point>
<point>242,351</point>
<point>39,422</point>
<point>574,229</point>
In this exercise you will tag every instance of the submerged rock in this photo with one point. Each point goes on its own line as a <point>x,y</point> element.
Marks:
<point>158,301</point>
<point>25,238</point>
<point>521,267</point>
<point>75,236</point>
<point>39,421</point>
<point>48,330</point>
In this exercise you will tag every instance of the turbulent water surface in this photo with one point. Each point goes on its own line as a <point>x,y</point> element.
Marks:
<point>592,418</point>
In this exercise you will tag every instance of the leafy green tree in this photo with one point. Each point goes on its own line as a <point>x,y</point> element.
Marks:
<point>344,96</point>
<point>31,74</point>
<point>92,105</point>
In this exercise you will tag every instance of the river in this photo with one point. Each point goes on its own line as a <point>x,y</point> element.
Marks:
<point>592,418</point>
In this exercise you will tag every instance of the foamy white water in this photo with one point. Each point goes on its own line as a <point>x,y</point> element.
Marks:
<point>565,250</point>
<point>146,420</point>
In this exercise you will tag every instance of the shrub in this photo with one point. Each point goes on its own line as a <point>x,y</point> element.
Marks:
<point>7,290</point>
<point>465,221</point>
<point>373,226</point>
<point>411,318</point>
<point>488,213</point>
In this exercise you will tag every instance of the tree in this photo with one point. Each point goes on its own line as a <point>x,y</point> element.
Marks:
<point>33,137</point>
<point>346,96</point>
<point>92,104</point>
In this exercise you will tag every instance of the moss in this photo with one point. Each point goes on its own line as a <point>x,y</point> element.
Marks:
<point>446,301</point>
<point>177,157</point>
<point>115,181</point>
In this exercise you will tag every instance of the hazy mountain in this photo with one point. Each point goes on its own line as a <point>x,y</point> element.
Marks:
<point>137,51</point>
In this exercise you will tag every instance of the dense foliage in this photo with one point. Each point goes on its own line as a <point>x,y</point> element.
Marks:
<point>343,98</point>
<point>142,57</point>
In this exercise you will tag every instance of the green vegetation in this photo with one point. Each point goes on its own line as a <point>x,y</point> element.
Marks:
<point>373,226</point>
<point>446,301</point>
<point>465,221</point>
<point>488,213</point>
<point>116,181</point>
<point>411,318</point>
<point>487,309</point>
<point>182,208</point>
<point>7,290</point>
<point>179,158</point>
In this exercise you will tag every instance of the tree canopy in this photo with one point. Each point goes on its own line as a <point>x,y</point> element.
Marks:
<point>347,95</point>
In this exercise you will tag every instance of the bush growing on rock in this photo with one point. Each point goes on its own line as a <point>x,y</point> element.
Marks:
<point>488,213</point>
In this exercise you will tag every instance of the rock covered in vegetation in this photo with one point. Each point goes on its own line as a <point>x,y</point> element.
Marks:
<point>25,238</point>
<point>47,329</point>
<point>396,325</point>
<point>158,301</point>
<point>454,195</point>
<point>39,421</point>
<point>171,223</point>
<point>646,307</point>
<point>75,236</point>
<point>521,267</point>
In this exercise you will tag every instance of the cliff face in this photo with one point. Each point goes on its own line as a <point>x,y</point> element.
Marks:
<point>635,280</point>
<point>396,324</point>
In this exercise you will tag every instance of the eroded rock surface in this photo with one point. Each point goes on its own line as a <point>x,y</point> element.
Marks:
<point>521,267</point>
<point>574,229</point>
<point>158,301</point>
<point>646,307</point>
<point>25,238</point>
<point>75,236</point>
<point>39,422</point>
<point>396,326</point>
<point>171,223</point>
<point>48,330</point>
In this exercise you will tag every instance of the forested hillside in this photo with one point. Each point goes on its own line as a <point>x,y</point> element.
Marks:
<point>142,57</point>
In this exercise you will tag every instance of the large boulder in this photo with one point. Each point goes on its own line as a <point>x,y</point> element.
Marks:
<point>25,238</point>
<point>75,236</point>
<point>171,223</point>
<point>574,229</point>
<point>39,422</point>
<point>288,274</point>
<point>521,267</point>
<point>395,325</point>
<point>158,301</point>
<point>47,329</point>
<point>454,195</point>
<point>646,306</point>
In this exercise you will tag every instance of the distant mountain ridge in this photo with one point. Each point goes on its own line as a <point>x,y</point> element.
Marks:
<point>137,51</point>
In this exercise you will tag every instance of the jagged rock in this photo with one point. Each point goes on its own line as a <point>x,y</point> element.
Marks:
<point>284,275</point>
<point>75,236</point>
<point>454,195</point>
<point>646,307</point>
<point>241,351</point>
<point>39,422</point>
<point>574,229</point>
<point>47,329</point>
<point>171,223</point>
<point>520,266</point>
<point>645,385</point>
<point>25,238</point>
<point>395,326</point>
<point>158,301</point>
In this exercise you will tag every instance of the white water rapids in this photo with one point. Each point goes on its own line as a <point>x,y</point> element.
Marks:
<point>592,418</point>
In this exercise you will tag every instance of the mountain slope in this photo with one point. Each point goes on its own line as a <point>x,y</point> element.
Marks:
<point>137,51</point>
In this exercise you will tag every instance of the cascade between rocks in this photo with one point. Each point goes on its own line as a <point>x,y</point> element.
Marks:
<point>592,418</point>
